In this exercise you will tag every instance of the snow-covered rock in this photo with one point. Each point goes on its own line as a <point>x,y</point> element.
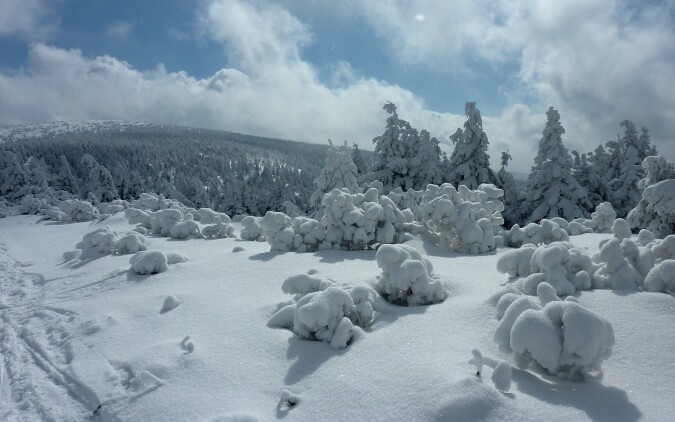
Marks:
<point>407,277</point>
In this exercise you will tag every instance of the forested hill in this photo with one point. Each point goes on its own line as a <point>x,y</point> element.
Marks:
<point>227,171</point>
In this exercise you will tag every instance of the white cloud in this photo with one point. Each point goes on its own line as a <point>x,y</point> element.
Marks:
<point>31,19</point>
<point>269,89</point>
<point>119,29</point>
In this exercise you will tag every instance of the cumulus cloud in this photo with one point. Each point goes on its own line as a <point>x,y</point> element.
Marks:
<point>597,61</point>
<point>31,19</point>
<point>269,89</point>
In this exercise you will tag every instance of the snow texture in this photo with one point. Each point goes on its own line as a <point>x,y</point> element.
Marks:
<point>407,277</point>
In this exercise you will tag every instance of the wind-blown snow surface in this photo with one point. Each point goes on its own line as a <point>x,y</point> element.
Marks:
<point>90,332</point>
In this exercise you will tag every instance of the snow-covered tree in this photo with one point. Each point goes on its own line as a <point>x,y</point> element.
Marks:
<point>616,160</point>
<point>624,191</point>
<point>655,210</point>
<point>98,179</point>
<point>426,165</point>
<point>359,161</point>
<point>13,178</point>
<point>512,195</point>
<point>339,172</point>
<point>65,180</point>
<point>644,144</point>
<point>552,190</point>
<point>589,178</point>
<point>470,162</point>
<point>394,150</point>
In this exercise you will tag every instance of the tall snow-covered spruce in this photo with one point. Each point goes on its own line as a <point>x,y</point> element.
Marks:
<point>512,194</point>
<point>339,172</point>
<point>552,191</point>
<point>470,162</point>
<point>394,150</point>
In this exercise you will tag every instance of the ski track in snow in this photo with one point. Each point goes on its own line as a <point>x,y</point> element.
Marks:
<point>38,380</point>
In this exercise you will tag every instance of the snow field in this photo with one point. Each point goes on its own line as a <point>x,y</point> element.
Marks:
<point>240,368</point>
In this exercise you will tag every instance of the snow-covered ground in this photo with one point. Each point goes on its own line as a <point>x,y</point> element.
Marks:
<point>88,339</point>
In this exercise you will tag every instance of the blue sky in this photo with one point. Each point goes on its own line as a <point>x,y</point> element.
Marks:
<point>314,69</point>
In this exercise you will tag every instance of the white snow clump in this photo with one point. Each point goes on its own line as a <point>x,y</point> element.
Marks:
<point>407,277</point>
<point>252,230</point>
<point>547,231</point>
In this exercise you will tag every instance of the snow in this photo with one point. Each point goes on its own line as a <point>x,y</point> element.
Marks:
<point>96,331</point>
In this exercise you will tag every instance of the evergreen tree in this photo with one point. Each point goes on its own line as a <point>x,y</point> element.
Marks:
<point>65,180</point>
<point>13,178</point>
<point>359,161</point>
<point>590,179</point>
<point>470,162</point>
<point>644,145</point>
<point>552,190</point>
<point>615,164</point>
<point>512,194</point>
<point>394,149</point>
<point>426,165</point>
<point>338,172</point>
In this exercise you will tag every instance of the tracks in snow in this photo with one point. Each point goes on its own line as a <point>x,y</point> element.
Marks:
<point>35,354</point>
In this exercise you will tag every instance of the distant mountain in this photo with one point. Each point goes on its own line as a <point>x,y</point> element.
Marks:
<point>62,127</point>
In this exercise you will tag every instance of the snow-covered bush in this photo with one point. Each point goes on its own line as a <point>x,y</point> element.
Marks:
<point>602,219</point>
<point>209,216</point>
<point>323,310</point>
<point>661,278</point>
<point>407,277</point>
<point>4,211</point>
<point>278,231</point>
<point>362,220</point>
<point>563,337</point>
<point>664,248</point>
<point>617,272</point>
<point>339,172</point>
<point>218,230</point>
<point>252,230</point>
<point>656,210</point>
<point>559,264</point>
<point>185,229</point>
<point>309,234</point>
<point>113,207</point>
<point>32,205</point>
<point>76,210</point>
<point>463,220</point>
<point>547,231</point>
<point>149,262</point>
<point>410,199</point>
<point>106,241</point>
<point>136,216</point>
<point>163,220</point>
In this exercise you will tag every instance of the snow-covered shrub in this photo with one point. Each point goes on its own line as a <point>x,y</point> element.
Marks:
<point>616,271</point>
<point>219,230</point>
<point>563,337</point>
<point>645,237</point>
<point>547,231</point>
<point>661,278</point>
<point>76,210</point>
<point>559,264</point>
<point>106,241</point>
<point>149,262</point>
<point>252,230</point>
<point>209,216</point>
<point>185,229</point>
<point>656,209</point>
<point>323,310</point>
<point>175,258</point>
<point>113,207</point>
<point>163,220</point>
<point>339,172</point>
<point>32,205</point>
<point>362,220</point>
<point>309,234</point>
<point>154,202</point>
<point>278,231</point>
<point>410,199</point>
<point>463,220</point>
<point>664,248</point>
<point>602,219</point>
<point>407,277</point>
<point>101,239</point>
<point>575,228</point>
<point>131,242</point>
<point>136,216</point>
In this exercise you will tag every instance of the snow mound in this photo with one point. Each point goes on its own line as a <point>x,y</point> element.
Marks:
<point>463,220</point>
<point>170,303</point>
<point>71,211</point>
<point>407,277</point>
<point>603,218</point>
<point>661,278</point>
<point>617,272</point>
<point>149,262</point>
<point>185,229</point>
<point>219,230</point>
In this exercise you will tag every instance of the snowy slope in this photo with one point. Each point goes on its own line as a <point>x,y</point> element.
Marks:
<point>46,129</point>
<point>78,335</point>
